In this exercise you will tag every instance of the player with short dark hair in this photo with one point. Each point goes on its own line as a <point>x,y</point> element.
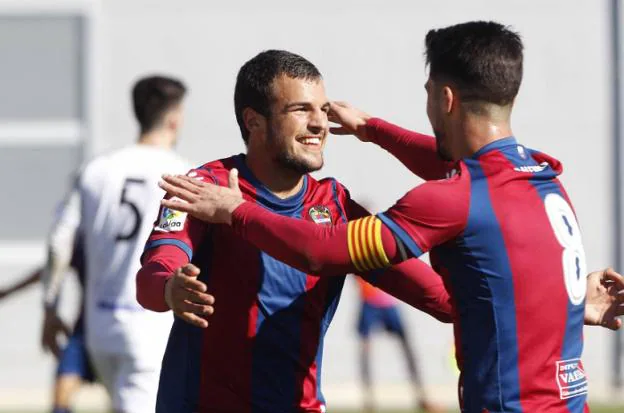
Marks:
<point>107,209</point>
<point>255,79</point>
<point>500,228</point>
<point>152,97</point>
<point>264,347</point>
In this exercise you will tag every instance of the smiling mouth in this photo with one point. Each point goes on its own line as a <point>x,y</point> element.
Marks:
<point>310,141</point>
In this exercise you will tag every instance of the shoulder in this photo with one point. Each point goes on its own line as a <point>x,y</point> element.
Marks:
<point>329,186</point>
<point>216,171</point>
<point>96,166</point>
<point>451,189</point>
<point>443,203</point>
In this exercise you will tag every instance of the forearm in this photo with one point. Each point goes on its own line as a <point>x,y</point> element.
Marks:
<point>417,284</point>
<point>414,150</point>
<point>158,265</point>
<point>315,249</point>
<point>61,243</point>
<point>53,274</point>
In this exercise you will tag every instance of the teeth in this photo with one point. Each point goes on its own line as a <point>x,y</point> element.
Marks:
<point>312,141</point>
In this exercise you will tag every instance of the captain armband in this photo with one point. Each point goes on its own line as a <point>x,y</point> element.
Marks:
<point>365,244</point>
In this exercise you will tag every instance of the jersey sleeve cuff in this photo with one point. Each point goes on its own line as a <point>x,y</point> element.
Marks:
<point>170,241</point>
<point>401,234</point>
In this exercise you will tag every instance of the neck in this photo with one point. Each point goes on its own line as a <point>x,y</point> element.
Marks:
<point>478,131</point>
<point>282,182</point>
<point>160,138</point>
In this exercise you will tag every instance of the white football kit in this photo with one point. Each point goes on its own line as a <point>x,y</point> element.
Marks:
<point>114,205</point>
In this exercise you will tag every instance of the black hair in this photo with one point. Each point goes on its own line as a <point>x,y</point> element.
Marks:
<point>483,60</point>
<point>255,78</point>
<point>152,97</point>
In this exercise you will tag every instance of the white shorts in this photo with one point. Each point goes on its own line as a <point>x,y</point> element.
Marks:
<point>132,388</point>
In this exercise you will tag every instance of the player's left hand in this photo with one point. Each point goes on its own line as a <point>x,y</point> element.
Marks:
<point>53,326</point>
<point>202,200</point>
<point>604,299</point>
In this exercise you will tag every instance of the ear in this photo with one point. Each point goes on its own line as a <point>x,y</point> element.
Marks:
<point>448,99</point>
<point>254,122</point>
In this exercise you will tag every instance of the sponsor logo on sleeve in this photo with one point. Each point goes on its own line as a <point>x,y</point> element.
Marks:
<point>171,220</point>
<point>320,215</point>
<point>531,168</point>
<point>571,378</point>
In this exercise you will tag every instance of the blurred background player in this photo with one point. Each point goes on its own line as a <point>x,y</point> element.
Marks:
<point>108,207</point>
<point>74,367</point>
<point>380,310</point>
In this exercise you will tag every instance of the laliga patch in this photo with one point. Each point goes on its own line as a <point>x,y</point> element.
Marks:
<point>171,220</point>
<point>571,378</point>
<point>320,215</point>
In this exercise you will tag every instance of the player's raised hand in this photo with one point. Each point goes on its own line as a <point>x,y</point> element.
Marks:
<point>352,121</point>
<point>187,297</point>
<point>53,328</point>
<point>605,298</point>
<point>202,200</point>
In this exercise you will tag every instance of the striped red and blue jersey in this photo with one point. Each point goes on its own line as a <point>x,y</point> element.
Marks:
<point>503,234</point>
<point>263,348</point>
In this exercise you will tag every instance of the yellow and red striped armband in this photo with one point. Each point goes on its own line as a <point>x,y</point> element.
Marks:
<point>365,244</point>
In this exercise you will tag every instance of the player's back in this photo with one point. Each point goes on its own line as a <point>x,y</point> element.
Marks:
<point>517,275</point>
<point>120,196</point>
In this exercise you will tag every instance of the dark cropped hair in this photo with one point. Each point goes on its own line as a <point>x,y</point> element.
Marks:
<point>483,60</point>
<point>153,96</point>
<point>254,80</point>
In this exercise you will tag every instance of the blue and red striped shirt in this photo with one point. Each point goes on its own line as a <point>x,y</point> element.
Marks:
<point>263,349</point>
<point>502,233</point>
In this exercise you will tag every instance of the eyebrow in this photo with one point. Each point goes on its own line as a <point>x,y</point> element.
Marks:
<point>307,104</point>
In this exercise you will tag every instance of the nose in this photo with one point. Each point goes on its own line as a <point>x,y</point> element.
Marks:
<point>318,122</point>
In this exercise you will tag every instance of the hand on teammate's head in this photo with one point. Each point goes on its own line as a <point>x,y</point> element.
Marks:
<point>187,297</point>
<point>352,121</point>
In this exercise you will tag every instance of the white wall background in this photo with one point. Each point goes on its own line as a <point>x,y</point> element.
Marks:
<point>370,53</point>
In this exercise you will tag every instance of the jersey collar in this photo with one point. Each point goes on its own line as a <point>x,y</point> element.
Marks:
<point>265,196</point>
<point>497,144</point>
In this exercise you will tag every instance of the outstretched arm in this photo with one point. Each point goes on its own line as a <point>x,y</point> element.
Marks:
<point>31,279</point>
<point>414,150</point>
<point>358,246</point>
<point>361,245</point>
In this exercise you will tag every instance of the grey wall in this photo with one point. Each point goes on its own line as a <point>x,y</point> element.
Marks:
<point>371,55</point>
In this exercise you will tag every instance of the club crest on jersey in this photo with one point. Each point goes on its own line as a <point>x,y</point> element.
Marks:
<point>171,220</point>
<point>320,215</point>
<point>571,378</point>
